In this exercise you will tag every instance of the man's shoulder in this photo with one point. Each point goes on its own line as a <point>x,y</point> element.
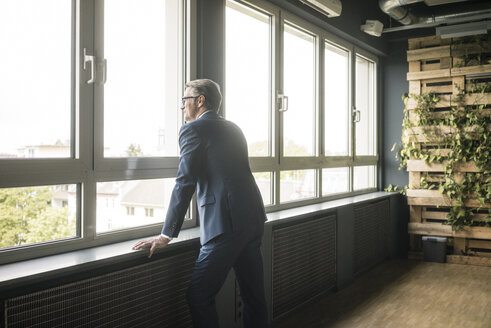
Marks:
<point>204,124</point>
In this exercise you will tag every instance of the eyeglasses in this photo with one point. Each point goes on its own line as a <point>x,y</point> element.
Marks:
<point>183,99</point>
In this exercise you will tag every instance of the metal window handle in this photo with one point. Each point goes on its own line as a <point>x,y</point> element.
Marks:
<point>356,115</point>
<point>283,101</point>
<point>91,59</point>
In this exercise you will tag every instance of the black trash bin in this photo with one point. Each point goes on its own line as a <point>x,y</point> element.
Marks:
<point>434,249</point>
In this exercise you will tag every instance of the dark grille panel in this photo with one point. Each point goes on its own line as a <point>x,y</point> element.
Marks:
<point>148,295</point>
<point>370,235</point>
<point>304,263</point>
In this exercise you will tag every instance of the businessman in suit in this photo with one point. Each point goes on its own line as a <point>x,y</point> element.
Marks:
<point>214,162</point>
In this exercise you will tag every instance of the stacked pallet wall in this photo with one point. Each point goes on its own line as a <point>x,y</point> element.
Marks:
<point>437,66</point>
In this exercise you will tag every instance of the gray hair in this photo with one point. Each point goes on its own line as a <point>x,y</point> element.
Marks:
<point>210,90</point>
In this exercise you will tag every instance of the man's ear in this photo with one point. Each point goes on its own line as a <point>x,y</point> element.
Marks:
<point>201,100</point>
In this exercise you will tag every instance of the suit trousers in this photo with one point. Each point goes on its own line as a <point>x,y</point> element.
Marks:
<point>240,251</point>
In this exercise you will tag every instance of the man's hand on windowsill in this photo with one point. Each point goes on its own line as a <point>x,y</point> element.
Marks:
<point>152,243</point>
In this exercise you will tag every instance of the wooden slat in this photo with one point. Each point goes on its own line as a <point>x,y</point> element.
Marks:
<point>415,87</point>
<point>411,76</point>
<point>436,89</point>
<point>440,80</point>
<point>470,260</point>
<point>479,254</point>
<point>427,41</point>
<point>433,215</point>
<point>438,129</point>
<point>483,244</point>
<point>460,245</point>
<point>428,53</point>
<point>446,62</point>
<point>438,229</point>
<point>442,216</point>
<point>415,66</point>
<point>445,101</point>
<point>457,71</point>
<point>423,193</point>
<point>415,180</point>
<point>420,165</point>
<point>477,99</point>
<point>435,138</point>
<point>424,197</point>
<point>440,115</point>
<point>442,152</point>
<point>432,177</point>
<point>458,84</point>
<point>424,138</point>
<point>415,214</point>
<point>429,67</point>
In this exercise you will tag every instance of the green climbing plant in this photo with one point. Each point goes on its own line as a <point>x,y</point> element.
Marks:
<point>466,138</point>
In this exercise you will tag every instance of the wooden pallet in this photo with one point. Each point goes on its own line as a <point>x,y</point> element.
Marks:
<point>436,67</point>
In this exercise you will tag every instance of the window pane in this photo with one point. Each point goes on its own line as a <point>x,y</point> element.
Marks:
<point>141,95</point>
<point>297,185</point>
<point>365,103</point>
<point>299,85</point>
<point>36,80</point>
<point>248,75</point>
<point>128,204</point>
<point>263,181</point>
<point>335,180</point>
<point>336,101</point>
<point>364,177</point>
<point>30,215</point>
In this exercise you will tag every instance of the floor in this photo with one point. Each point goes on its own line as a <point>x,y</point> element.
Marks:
<point>405,293</point>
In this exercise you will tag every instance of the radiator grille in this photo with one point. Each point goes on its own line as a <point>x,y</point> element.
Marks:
<point>304,263</point>
<point>148,295</point>
<point>371,227</point>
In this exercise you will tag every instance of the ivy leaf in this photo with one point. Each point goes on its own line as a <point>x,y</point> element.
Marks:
<point>441,189</point>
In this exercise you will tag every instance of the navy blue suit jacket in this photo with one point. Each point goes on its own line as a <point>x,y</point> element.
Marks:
<point>214,158</point>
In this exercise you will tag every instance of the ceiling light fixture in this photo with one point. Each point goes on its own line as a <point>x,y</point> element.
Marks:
<point>455,31</point>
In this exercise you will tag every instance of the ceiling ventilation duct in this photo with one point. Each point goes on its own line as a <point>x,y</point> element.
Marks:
<point>396,10</point>
<point>330,8</point>
<point>411,18</point>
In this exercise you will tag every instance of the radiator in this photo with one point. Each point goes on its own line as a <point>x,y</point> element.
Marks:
<point>371,226</point>
<point>304,263</point>
<point>148,295</point>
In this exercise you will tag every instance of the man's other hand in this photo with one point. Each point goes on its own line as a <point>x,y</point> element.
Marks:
<point>152,243</point>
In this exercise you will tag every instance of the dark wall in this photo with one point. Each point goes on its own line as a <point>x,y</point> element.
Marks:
<point>394,86</point>
<point>211,40</point>
<point>347,26</point>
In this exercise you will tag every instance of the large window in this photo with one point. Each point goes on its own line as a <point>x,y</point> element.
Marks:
<point>89,106</point>
<point>248,40</point>
<point>299,128</point>
<point>322,119</point>
<point>365,105</point>
<point>141,112</point>
<point>336,100</point>
<point>36,79</point>
<point>33,215</point>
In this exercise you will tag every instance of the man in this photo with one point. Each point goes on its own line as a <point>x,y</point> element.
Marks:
<point>214,158</point>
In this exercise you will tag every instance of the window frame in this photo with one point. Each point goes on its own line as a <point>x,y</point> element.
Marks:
<point>86,166</point>
<point>278,162</point>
